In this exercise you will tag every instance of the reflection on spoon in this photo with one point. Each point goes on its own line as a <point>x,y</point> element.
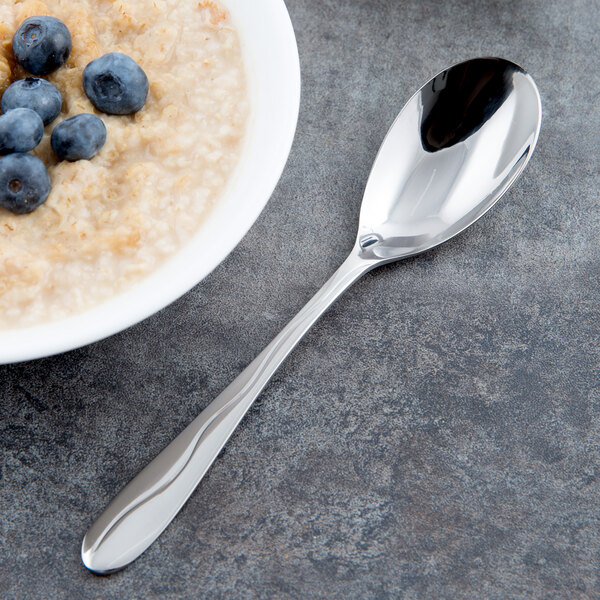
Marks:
<point>454,110</point>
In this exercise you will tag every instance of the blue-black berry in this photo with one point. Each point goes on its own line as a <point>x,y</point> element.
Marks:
<point>42,45</point>
<point>21,130</point>
<point>79,138</point>
<point>116,84</point>
<point>34,93</point>
<point>24,183</point>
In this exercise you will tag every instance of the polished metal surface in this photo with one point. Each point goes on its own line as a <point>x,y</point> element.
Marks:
<point>456,147</point>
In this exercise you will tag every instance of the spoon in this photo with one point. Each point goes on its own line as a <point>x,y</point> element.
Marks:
<point>454,149</point>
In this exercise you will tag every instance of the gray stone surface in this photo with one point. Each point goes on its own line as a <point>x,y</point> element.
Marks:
<point>436,435</point>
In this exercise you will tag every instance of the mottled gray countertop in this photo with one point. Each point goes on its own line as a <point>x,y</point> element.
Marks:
<point>436,435</point>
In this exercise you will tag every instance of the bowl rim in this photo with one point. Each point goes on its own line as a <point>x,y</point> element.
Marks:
<point>273,75</point>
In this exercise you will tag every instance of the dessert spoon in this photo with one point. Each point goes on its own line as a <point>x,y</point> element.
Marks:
<point>454,149</point>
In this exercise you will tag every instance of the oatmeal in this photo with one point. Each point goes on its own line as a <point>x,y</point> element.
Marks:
<point>112,220</point>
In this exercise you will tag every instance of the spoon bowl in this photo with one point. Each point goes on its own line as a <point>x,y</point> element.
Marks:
<point>454,149</point>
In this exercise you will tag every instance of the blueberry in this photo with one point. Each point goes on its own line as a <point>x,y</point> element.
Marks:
<point>21,130</point>
<point>79,138</point>
<point>24,183</point>
<point>116,84</point>
<point>42,44</point>
<point>37,94</point>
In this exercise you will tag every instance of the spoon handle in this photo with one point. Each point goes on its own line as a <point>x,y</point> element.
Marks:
<point>144,508</point>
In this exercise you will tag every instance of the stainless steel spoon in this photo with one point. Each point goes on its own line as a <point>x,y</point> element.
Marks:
<point>456,147</point>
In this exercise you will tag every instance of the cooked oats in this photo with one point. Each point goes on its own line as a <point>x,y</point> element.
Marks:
<point>110,221</point>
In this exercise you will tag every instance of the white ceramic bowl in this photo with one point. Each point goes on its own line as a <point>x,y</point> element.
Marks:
<point>271,55</point>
